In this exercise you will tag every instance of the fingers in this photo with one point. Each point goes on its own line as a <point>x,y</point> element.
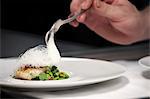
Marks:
<point>74,23</point>
<point>106,10</point>
<point>77,5</point>
<point>86,4</point>
<point>80,19</point>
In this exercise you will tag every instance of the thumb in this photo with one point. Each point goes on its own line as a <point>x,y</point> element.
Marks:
<point>104,9</point>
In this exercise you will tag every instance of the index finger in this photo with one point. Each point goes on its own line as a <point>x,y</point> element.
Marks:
<point>77,5</point>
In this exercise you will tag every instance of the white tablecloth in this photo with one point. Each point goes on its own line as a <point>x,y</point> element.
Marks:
<point>135,83</point>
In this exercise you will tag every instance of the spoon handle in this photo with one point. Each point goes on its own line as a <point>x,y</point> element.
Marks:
<point>72,18</point>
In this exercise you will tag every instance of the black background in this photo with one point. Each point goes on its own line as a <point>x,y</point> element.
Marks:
<point>37,16</point>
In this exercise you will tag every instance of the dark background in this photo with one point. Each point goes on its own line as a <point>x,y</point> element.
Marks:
<point>37,16</point>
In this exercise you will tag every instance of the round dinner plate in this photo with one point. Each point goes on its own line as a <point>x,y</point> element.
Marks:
<point>82,72</point>
<point>145,61</point>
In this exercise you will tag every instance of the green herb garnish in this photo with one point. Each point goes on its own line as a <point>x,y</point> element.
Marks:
<point>44,76</point>
<point>52,73</point>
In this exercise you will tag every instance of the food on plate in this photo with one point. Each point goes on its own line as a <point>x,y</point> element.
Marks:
<point>36,61</point>
<point>35,64</point>
<point>40,73</point>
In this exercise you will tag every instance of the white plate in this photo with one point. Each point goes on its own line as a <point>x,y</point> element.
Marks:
<point>145,61</point>
<point>81,71</point>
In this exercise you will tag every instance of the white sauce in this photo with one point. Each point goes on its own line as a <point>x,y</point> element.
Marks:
<point>53,52</point>
<point>42,55</point>
<point>37,56</point>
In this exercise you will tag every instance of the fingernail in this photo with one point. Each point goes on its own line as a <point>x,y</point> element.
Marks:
<point>97,3</point>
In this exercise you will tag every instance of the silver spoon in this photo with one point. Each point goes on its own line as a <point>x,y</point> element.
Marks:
<point>59,23</point>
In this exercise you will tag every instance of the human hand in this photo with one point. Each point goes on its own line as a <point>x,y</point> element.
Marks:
<point>115,20</point>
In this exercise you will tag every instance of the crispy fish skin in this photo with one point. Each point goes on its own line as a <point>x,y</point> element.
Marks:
<point>29,72</point>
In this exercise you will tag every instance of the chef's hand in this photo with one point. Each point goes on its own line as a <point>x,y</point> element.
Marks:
<point>115,20</point>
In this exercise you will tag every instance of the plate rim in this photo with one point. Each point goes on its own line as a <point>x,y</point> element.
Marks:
<point>141,64</point>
